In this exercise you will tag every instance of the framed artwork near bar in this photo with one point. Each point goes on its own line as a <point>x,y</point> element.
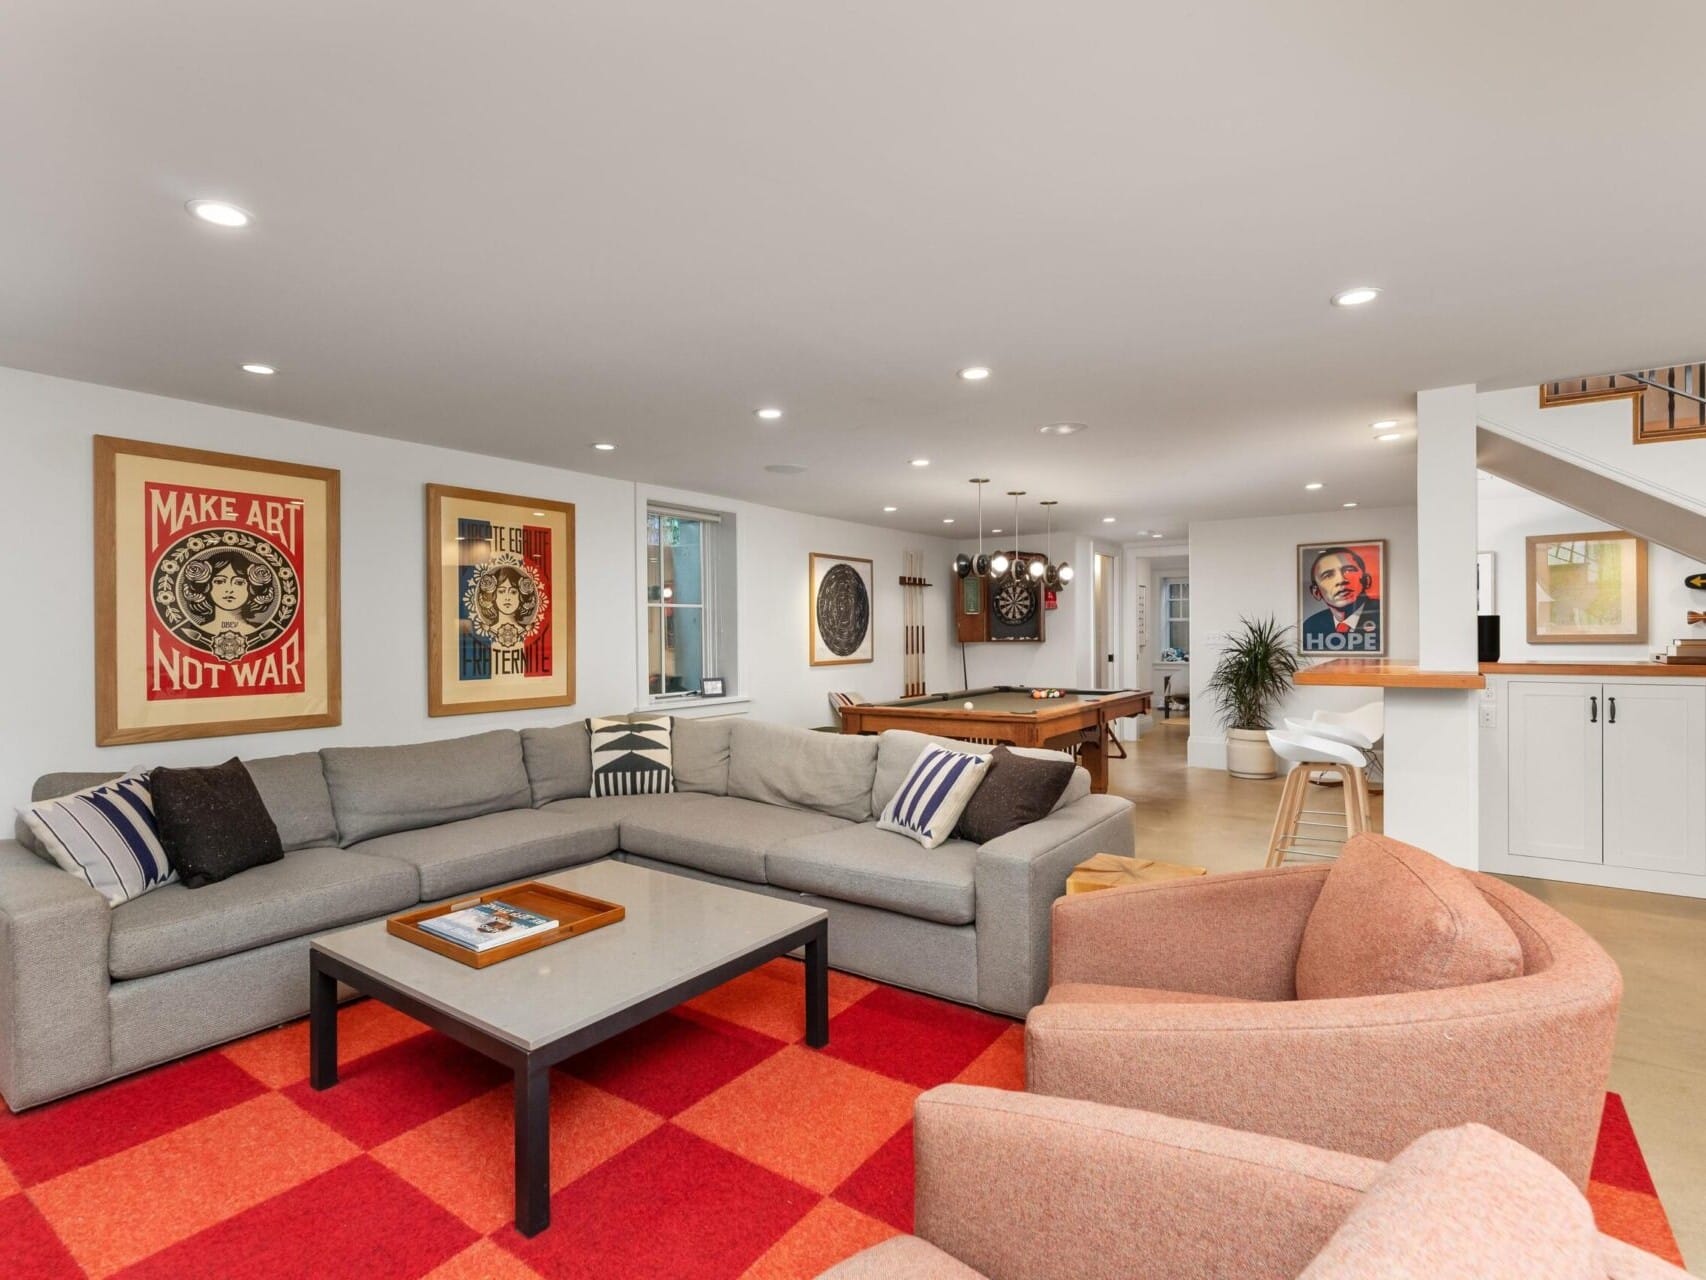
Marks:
<point>216,594</point>
<point>1339,598</point>
<point>839,610</point>
<point>1587,588</point>
<point>500,601</point>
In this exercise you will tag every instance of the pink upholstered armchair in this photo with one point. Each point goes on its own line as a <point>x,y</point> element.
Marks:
<point>1249,1000</point>
<point>1012,1186</point>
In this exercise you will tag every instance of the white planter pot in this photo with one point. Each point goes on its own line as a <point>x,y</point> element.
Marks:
<point>1248,754</point>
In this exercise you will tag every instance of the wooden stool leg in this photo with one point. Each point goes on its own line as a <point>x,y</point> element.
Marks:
<point>1285,821</point>
<point>1367,804</point>
<point>1356,809</point>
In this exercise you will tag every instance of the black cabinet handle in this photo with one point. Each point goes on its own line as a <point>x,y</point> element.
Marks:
<point>1593,710</point>
<point>1611,711</point>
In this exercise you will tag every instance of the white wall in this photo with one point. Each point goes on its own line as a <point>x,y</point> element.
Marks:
<point>1509,515</point>
<point>1600,436</point>
<point>47,642</point>
<point>1248,568</point>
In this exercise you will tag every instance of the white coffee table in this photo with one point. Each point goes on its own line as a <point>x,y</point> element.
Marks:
<point>681,937</point>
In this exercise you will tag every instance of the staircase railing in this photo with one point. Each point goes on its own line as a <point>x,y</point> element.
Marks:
<point>1666,403</point>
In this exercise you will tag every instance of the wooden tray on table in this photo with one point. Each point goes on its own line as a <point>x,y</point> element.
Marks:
<point>574,913</point>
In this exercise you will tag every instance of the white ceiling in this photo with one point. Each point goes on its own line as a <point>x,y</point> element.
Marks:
<point>523,227</point>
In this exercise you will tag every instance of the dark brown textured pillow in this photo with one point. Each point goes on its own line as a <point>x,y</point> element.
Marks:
<point>1016,790</point>
<point>212,822</point>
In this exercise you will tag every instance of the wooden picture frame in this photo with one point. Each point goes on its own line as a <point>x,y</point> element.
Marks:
<point>500,601</point>
<point>1351,625</point>
<point>216,594</point>
<point>840,610</point>
<point>1586,588</point>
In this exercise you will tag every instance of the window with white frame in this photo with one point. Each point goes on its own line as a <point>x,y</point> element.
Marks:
<point>1176,616</point>
<point>689,600</point>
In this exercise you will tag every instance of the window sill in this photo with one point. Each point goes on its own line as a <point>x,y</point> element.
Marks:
<point>688,706</point>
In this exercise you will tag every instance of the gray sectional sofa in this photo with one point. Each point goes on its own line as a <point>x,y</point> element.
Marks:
<point>88,992</point>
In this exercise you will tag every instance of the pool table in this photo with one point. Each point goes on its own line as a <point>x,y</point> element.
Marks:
<point>1008,713</point>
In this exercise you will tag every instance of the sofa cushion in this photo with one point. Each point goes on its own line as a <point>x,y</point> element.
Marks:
<point>559,761</point>
<point>724,835</point>
<point>307,891</point>
<point>878,868</point>
<point>495,848</point>
<point>378,790</point>
<point>802,769</point>
<point>1391,918</point>
<point>897,749</point>
<point>699,747</point>
<point>902,1258</point>
<point>630,756</point>
<point>929,803</point>
<point>104,835</point>
<point>212,822</point>
<point>293,788</point>
<point>1100,993</point>
<point>1465,1202</point>
<point>1016,790</point>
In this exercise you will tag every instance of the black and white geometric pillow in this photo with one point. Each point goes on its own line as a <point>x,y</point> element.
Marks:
<point>631,757</point>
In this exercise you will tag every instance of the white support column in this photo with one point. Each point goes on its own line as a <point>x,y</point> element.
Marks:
<point>1432,743</point>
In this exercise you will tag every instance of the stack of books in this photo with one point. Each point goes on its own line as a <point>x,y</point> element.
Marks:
<point>487,925</point>
<point>1686,652</point>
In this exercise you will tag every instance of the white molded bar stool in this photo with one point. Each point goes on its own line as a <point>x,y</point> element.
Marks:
<point>1296,825</point>
<point>1363,728</point>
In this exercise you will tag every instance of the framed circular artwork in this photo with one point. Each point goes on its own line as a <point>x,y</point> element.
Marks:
<point>839,610</point>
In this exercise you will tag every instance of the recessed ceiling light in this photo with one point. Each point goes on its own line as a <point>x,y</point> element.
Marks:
<point>1157,535</point>
<point>219,213</point>
<point>974,373</point>
<point>604,448</point>
<point>1313,485</point>
<point>1063,428</point>
<point>947,519</point>
<point>891,510</point>
<point>921,462</point>
<point>1107,519</point>
<point>769,415</point>
<point>265,370</point>
<point>1349,505</point>
<point>1359,296</point>
<point>1385,424</point>
<point>1389,437</point>
<point>995,530</point>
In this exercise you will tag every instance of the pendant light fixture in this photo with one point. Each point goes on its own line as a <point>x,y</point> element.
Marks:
<point>1050,575</point>
<point>964,565</point>
<point>1018,562</point>
<point>998,562</point>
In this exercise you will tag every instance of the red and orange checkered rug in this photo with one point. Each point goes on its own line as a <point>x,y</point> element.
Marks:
<point>708,1142</point>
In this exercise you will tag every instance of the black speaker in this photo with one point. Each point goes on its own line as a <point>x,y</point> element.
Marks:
<point>1487,637</point>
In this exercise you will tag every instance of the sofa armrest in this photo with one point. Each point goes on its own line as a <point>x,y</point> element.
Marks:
<point>1017,1185</point>
<point>54,1020</point>
<point>1225,935</point>
<point>1018,877</point>
<point>1527,1056</point>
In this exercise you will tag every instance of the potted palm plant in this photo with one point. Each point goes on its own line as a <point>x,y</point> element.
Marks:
<point>1252,676</point>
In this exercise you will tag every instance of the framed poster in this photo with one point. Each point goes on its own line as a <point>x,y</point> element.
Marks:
<point>1587,588</point>
<point>216,594</point>
<point>500,601</point>
<point>1339,598</point>
<point>839,609</point>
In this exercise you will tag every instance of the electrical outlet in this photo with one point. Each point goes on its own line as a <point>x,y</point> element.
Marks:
<point>1489,715</point>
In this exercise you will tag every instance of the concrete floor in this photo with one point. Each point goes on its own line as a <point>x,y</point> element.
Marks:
<point>1208,818</point>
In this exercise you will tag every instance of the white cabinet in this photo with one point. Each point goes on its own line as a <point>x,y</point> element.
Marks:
<point>1613,774</point>
<point>1655,777</point>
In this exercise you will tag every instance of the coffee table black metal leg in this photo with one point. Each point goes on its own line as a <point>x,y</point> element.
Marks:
<point>322,1028</point>
<point>817,988</point>
<point>532,1148</point>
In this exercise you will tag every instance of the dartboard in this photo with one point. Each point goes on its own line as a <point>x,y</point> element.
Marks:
<point>1015,602</point>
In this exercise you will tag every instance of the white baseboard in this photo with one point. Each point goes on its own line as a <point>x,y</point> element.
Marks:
<point>1205,753</point>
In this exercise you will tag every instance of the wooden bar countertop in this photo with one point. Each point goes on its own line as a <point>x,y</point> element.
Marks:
<point>1378,673</point>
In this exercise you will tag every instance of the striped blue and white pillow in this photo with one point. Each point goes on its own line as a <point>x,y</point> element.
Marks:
<point>105,835</point>
<point>936,791</point>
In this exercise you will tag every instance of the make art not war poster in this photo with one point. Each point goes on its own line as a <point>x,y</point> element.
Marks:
<point>502,624</point>
<point>217,594</point>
